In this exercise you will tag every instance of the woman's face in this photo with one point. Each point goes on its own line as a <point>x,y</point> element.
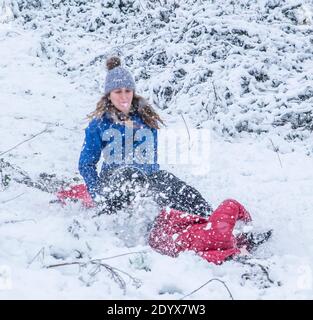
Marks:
<point>122,99</point>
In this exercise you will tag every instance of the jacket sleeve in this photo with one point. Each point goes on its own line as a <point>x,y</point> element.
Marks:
<point>90,156</point>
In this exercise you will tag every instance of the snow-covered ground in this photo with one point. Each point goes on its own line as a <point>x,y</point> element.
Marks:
<point>35,234</point>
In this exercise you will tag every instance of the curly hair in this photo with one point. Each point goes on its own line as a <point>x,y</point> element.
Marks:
<point>139,105</point>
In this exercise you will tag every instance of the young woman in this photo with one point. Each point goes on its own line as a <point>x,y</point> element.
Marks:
<point>124,129</point>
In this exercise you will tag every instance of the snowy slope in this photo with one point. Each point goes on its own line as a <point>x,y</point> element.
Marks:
<point>38,92</point>
<point>192,56</point>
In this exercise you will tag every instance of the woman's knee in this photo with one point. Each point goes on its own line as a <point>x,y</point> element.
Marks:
<point>232,203</point>
<point>237,207</point>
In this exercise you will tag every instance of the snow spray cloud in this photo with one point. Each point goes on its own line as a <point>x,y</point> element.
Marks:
<point>175,147</point>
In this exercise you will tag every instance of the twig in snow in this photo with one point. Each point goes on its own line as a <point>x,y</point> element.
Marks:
<point>120,255</point>
<point>9,33</point>
<point>135,280</point>
<point>47,182</point>
<point>112,270</point>
<point>276,150</point>
<point>116,47</point>
<point>116,277</point>
<point>214,90</point>
<point>33,137</point>
<point>62,60</point>
<point>206,109</point>
<point>217,98</point>
<point>65,264</point>
<point>16,221</point>
<point>6,201</point>
<point>263,269</point>
<point>214,279</point>
<point>186,129</point>
<point>91,261</point>
<point>143,8</point>
<point>40,255</point>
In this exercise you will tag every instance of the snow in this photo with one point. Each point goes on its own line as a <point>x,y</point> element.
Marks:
<point>272,176</point>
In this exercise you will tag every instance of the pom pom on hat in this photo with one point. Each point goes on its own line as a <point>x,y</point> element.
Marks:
<point>113,62</point>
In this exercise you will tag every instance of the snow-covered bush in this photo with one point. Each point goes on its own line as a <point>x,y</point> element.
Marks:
<point>195,57</point>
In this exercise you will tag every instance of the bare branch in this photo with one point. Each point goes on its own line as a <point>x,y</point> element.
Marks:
<point>120,255</point>
<point>217,100</point>
<point>65,264</point>
<point>255,264</point>
<point>214,279</point>
<point>276,150</point>
<point>6,201</point>
<point>16,221</point>
<point>47,182</point>
<point>116,277</point>
<point>40,255</point>
<point>214,90</point>
<point>32,137</point>
<point>91,261</point>
<point>186,129</point>
<point>136,281</point>
<point>112,270</point>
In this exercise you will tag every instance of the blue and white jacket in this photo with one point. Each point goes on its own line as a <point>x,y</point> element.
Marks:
<point>120,146</point>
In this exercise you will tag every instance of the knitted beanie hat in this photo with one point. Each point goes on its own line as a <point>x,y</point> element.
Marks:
<point>117,76</point>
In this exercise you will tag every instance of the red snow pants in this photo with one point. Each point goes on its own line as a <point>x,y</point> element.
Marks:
<point>175,231</point>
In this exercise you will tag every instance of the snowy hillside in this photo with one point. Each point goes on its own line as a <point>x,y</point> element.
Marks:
<point>242,69</point>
